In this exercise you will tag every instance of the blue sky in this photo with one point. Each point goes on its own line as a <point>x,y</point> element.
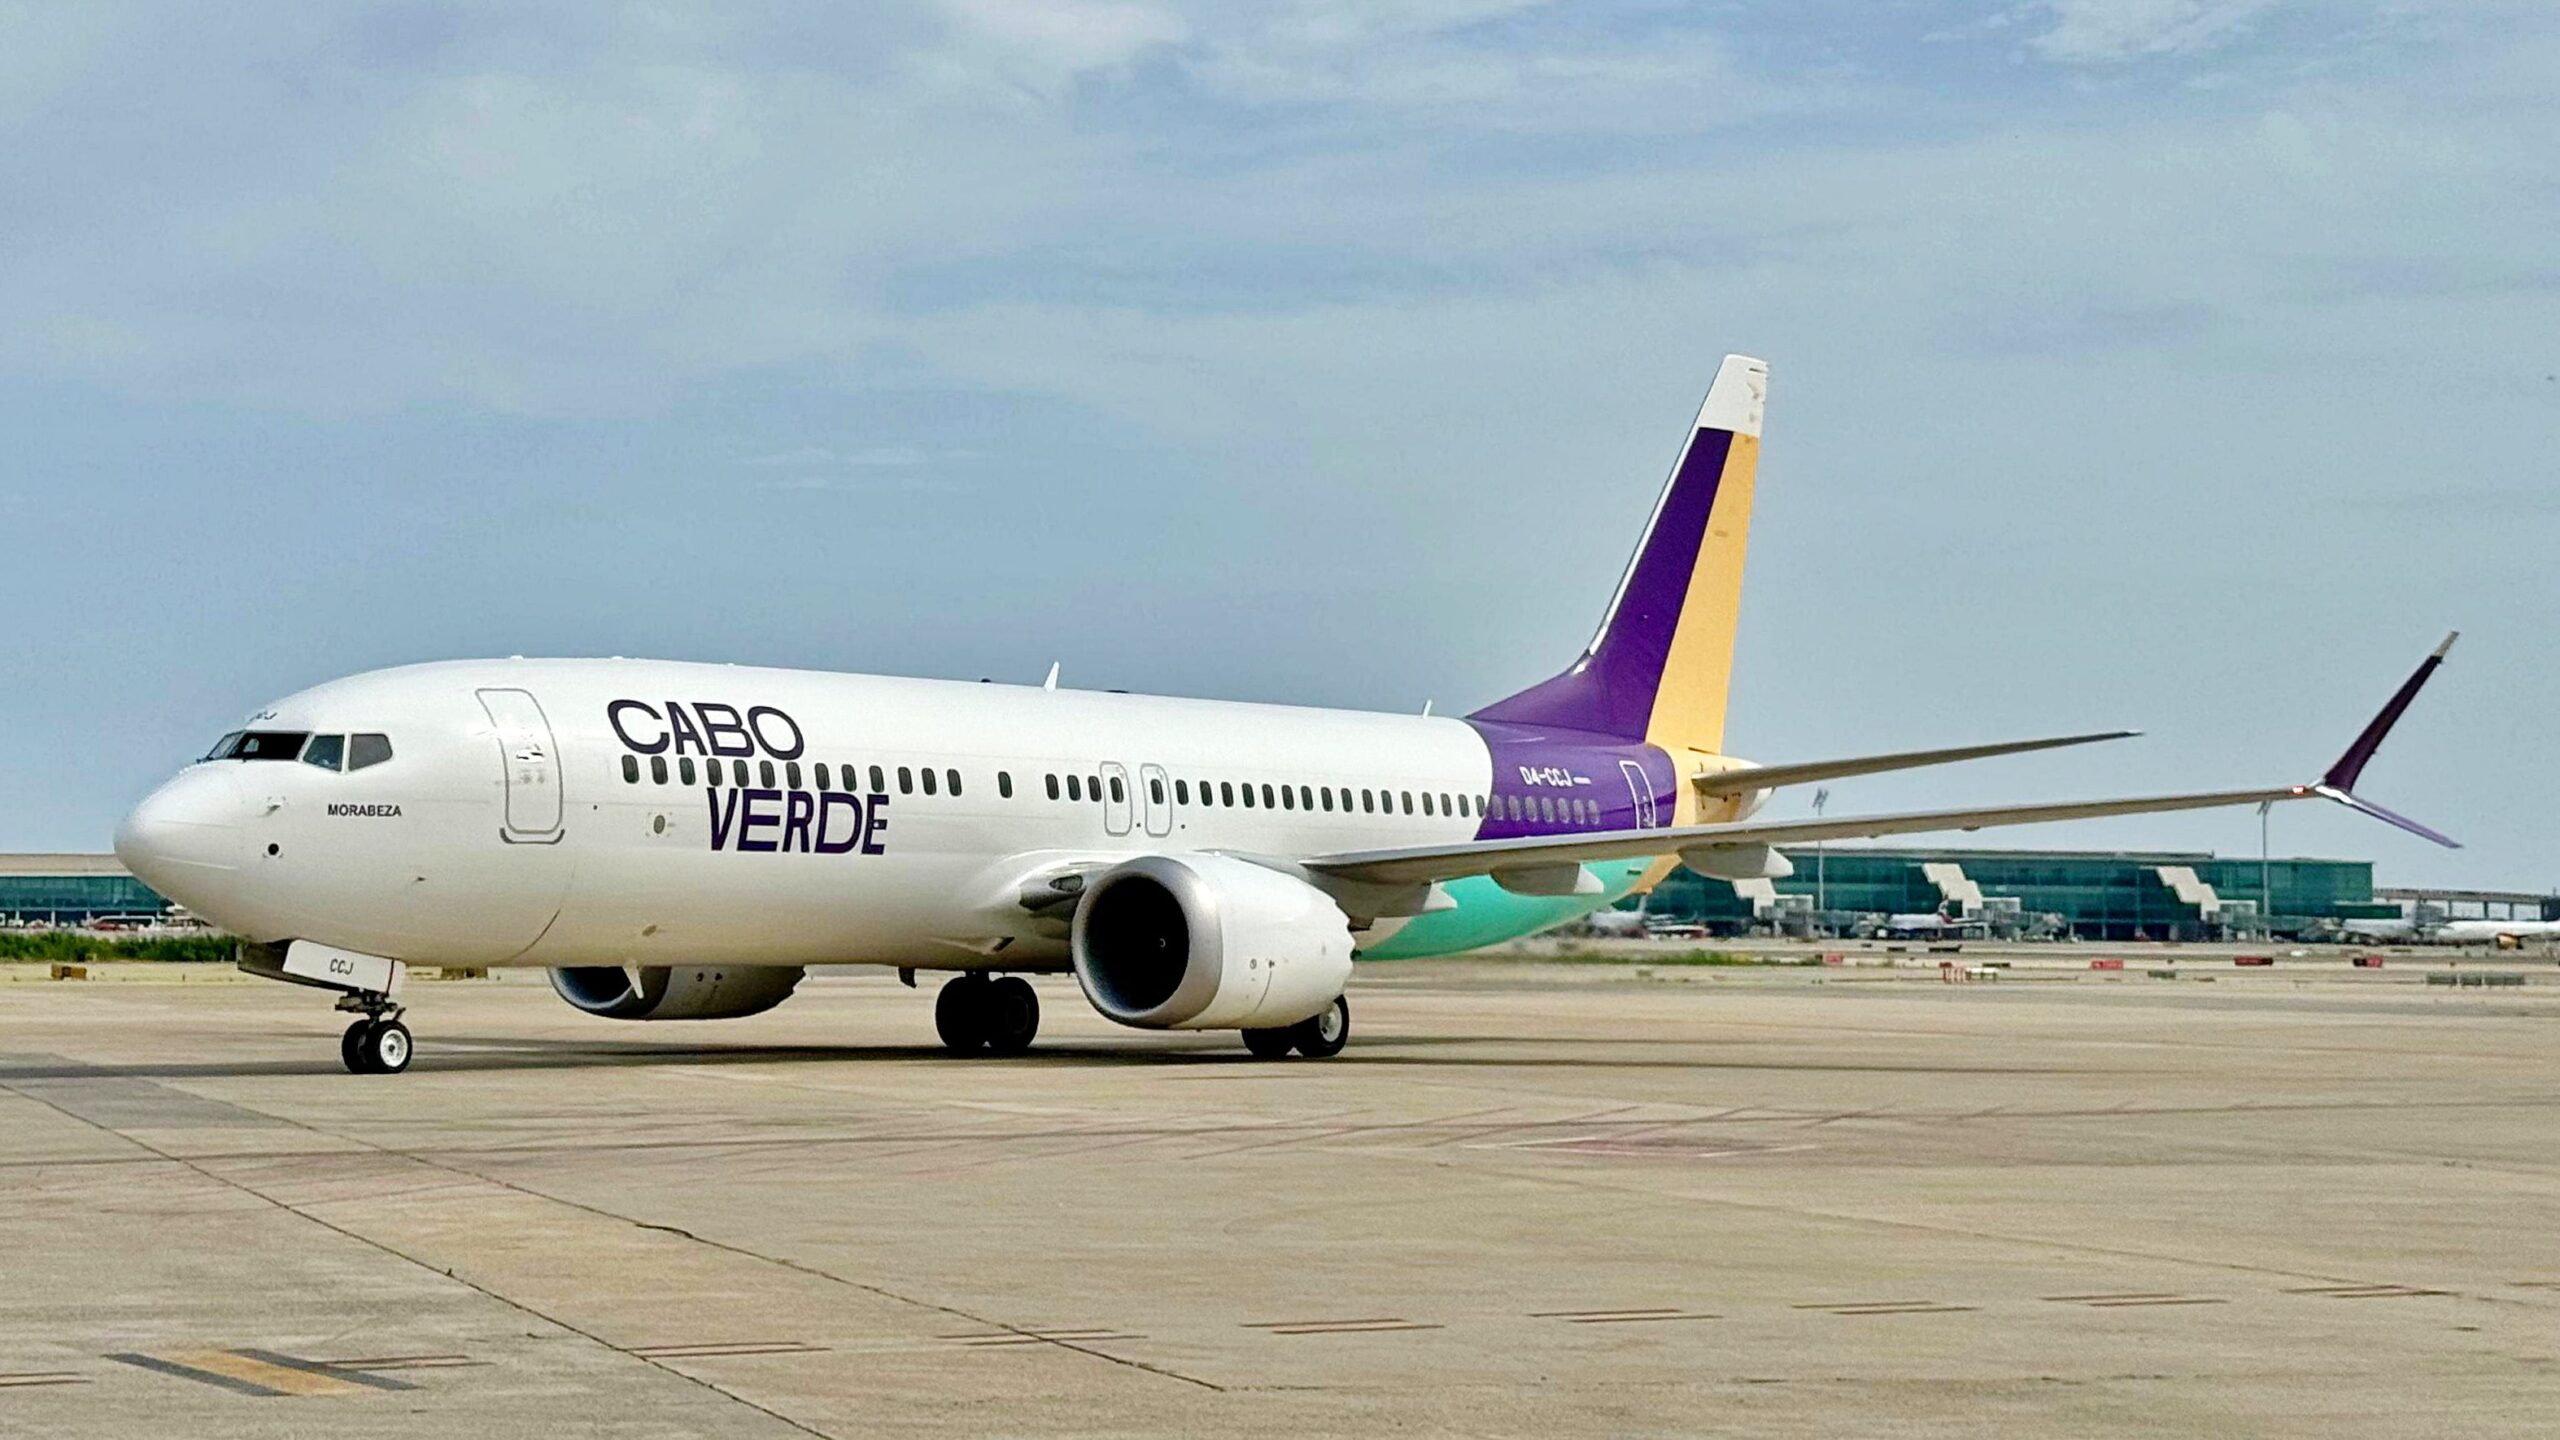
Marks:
<point>2185,364</point>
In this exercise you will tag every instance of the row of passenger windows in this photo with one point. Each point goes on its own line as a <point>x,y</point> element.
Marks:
<point>329,752</point>
<point>789,774</point>
<point>1228,794</point>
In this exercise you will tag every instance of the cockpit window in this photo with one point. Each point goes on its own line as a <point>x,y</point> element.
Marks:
<point>364,750</point>
<point>269,745</point>
<point>325,751</point>
<point>222,748</point>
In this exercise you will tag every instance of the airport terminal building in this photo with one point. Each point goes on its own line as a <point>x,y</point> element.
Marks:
<point>71,890</point>
<point>2088,894</point>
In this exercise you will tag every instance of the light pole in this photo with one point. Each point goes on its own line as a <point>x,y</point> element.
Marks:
<point>1821,902</point>
<point>2266,892</point>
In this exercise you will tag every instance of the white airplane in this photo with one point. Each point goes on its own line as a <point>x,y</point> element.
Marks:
<point>2506,933</point>
<point>679,841</point>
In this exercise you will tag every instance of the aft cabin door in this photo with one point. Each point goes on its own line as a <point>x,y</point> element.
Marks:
<point>532,766</point>
<point>1640,786</point>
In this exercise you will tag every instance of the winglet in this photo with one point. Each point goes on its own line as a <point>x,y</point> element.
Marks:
<point>2340,782</point>
<point>2350,766</point>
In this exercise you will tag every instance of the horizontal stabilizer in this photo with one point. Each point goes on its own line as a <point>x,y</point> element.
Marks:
<point>1419,863</point>
<point>1770,777</point>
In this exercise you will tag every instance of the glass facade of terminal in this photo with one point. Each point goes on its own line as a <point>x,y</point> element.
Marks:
<point>2098,895</point>
<point>74,899</point>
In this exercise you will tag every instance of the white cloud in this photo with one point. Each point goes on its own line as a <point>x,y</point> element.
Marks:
<point>2103,32</point>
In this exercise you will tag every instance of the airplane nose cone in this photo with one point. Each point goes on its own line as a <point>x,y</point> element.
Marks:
<point>185,835</point>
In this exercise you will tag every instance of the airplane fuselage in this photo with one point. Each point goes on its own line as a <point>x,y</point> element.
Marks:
<point>612,812</point>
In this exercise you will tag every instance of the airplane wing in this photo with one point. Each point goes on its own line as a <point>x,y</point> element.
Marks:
<point>1770,777</point>
<point>1537,859</point>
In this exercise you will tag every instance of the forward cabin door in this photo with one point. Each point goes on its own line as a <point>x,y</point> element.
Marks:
<point>532,766</point>
<point>1155,797</point>
<point>1115,797</point>
<point>1640,786</point>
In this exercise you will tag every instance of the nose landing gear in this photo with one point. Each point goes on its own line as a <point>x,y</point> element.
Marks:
<point>375,1047</point>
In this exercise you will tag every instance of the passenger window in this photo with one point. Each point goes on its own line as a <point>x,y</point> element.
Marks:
<point>1306,798</point>
<point>325,751</point>
<point>657,769</point>
<point>1288,798</point>
<point>630,769</point>
<point>1266,797</point>
<point>684,769</point>
<point>1119,792</point>
<point>1093,786</point>
<point>1327,793</point>
<point>1004,784</point>
<point>1155,791</point>
<point>879,781</point>
<point>928,779</point>
<point>1513,804</point>
<point>738,772</point>
<point>764,770</point>
<point>1444,804</point>
<point>1248,794</point>
<point>1075,787</point>
<point>1053,787</point>
<point>951,782</point>
<point>791,772</point>
<point>820,771</point>
<point>1408,801</point>
<point>1181,792</point>
<point>1227,793</point>
<point>906,780</point>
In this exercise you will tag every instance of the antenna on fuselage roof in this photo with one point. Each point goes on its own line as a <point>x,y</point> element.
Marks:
<point>1052,682</point>
<point>1426,707</point>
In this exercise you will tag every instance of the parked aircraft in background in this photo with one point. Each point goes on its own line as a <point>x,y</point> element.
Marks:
<point>2430,930</point>
<point>679,841</point>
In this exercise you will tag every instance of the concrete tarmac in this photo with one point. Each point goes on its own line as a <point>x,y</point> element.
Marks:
<point>1528,1200</point>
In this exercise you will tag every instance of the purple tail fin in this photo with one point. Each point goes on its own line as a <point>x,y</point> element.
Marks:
<point>1659,666</point>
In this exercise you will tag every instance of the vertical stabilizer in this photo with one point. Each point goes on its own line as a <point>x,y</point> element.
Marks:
<point>1659,667</point>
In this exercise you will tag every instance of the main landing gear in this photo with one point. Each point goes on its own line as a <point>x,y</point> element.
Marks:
<point>977,1015</point>
<point>1317,1038</point>
<point>377,1044</point>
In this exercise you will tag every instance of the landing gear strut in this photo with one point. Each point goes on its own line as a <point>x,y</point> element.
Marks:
<point>974,1013</point>
<point>378,1044</point>
<point>1316,1038</point>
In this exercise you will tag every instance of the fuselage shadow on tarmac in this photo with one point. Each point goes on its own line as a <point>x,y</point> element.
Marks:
<point>464,1054</point>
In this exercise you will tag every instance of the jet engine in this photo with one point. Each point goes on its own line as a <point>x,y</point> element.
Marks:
<point>676,992</point>
<point>1207,942</point>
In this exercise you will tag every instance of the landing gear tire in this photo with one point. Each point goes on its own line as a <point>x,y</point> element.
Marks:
<point>959,1015</point>
<point>375,1047</point>
<point>1009,1015</point>
<point>1272,1044</point>
<point>1323,1036</point>
<point>351,1047</point>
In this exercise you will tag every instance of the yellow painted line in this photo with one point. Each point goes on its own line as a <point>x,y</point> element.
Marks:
<point>281,1379</point>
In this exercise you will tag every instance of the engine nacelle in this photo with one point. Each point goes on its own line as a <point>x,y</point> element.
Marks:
<point>1208,942</point>
<point>676,992</point>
